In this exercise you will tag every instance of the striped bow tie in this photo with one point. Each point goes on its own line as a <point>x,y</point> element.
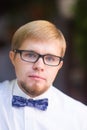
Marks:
<point>41,104</point>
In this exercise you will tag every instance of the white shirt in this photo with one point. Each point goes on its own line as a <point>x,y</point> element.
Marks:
<point>63,112</point>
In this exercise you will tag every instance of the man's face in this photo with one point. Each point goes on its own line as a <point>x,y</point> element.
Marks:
<point>36,78</point>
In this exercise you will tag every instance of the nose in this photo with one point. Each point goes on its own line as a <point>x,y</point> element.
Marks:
<point>39,64</point>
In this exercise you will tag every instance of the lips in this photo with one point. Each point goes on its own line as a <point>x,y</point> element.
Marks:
<point>37,77</point>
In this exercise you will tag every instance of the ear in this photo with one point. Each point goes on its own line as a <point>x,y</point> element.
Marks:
<point>12,56</point>
<point>60,65</point>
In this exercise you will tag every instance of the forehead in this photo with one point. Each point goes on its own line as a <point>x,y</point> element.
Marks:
<point>43,47</point>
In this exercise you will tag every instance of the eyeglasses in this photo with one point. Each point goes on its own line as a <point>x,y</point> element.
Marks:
<point>32,57</point>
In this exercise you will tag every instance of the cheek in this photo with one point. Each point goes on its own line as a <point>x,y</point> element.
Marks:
<point>20,70</point>
<point>55,71</point>
<point>52,74</point>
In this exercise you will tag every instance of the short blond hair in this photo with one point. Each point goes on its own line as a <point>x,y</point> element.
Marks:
<point>38,30</point>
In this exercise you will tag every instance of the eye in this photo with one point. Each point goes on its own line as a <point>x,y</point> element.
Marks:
<point>50,58</point>
<point>30,55</point>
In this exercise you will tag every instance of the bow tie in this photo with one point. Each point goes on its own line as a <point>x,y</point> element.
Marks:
<point>41,104</point>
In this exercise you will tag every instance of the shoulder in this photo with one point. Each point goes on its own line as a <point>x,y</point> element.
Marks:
<point>6,87</point>
<point>68,102</point>
<point>4,84</point>
<point>72,108</point>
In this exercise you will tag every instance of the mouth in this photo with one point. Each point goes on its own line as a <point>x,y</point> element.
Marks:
<point>35,77</point>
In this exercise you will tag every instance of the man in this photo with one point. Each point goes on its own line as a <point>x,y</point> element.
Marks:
<point>30,102</point>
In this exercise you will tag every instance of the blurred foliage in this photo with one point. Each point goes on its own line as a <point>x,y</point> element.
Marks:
<point>81,31</point>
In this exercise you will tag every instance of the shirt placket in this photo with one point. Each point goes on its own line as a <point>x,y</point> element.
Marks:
<point>29,118</point>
